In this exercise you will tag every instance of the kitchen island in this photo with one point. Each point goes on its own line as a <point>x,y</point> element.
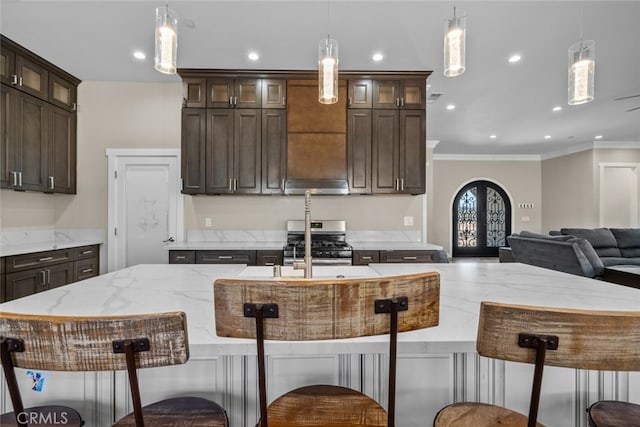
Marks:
<point>436,366</point>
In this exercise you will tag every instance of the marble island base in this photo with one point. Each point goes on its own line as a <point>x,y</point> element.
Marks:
<point>436,366</point>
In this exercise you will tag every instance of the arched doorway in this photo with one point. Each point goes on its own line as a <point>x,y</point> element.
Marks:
<point>481,220</point>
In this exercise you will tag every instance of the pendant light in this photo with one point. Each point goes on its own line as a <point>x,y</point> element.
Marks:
<point>581,70</point>
<point>328,69</point>
<point>454,45</point>
<point>166,40</point>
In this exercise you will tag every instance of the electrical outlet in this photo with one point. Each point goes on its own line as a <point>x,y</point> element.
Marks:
<point>525,205</point>
<point>408,220</point>
<point>207,222</point>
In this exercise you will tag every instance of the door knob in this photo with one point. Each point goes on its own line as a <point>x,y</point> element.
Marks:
<point>170,239</point>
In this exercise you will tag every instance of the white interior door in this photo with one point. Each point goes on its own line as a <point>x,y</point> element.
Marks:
<point>145,206</point>
<point>619,195</point>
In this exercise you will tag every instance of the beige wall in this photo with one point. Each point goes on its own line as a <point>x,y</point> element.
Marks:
<point>571,187</point>
<point>520,179</point>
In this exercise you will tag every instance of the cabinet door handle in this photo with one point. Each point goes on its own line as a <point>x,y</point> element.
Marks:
<point>47,258</point>
<point>270,264</point>
<point>230,184</point>
<point>282,184</point>
<point>402,102</point>
<point>235,184</point>
<point>231,100</point>
<point>225,256</point>
<point>51,183</point>
<point>20,81</point>
<point>87,270</point>
<point>235,100</point>
<point>14,79</point>
<point>74,106</point>
<point>43,278</point>
<point>349,102</point>
<point>397,184</point>
<point>397,102</point>
<point>401,184</point>
<point>90,251</point>
<point>184,257</point>
<point>409,258</point>
<point>14,178</point>
<point>19,179</point>
<point>366,258</point>
<point>49,277</point>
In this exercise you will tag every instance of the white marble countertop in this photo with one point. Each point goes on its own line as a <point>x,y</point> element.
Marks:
<point>26,248</point>
<point>188,288</point>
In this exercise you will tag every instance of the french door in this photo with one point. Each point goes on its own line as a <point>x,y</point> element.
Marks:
<point>481,220</point>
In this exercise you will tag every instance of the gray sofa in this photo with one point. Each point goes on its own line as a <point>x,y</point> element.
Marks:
<point>581,251</point>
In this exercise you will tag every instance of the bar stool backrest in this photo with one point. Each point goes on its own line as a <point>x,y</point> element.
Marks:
<point>587,339</point>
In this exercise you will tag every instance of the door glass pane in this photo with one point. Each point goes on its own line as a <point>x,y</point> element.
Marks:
<point>496,233</point>
<point>468,219</point>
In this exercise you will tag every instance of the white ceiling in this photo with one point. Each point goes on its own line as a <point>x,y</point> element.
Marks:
<point>94,40</point>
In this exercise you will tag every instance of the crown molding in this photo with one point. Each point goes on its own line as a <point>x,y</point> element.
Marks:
<point>488,157</point>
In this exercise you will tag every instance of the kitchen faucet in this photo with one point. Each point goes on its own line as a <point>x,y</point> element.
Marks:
<point>306,264</point>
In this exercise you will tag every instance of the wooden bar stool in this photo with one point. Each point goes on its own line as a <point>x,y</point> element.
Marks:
<point>578,339</point>
<point>299,310</point>
<point>59,343</point>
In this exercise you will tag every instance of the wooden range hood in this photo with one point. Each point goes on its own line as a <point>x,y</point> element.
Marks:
<point>316,140</point>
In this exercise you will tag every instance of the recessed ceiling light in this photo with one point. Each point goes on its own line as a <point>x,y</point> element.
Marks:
<point>493,136</point>
<point>451,107</point>
<point>557,108</point>
<point>253,56</point>
<point>598,137</point>
<point>377,56</point>
<point>189,23</point>
<point>514,58</point>
<point>138,54</point>
<point>547,137</point>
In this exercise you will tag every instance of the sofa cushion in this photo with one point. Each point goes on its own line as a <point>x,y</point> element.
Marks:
<point>628,241</point>
<point>610,261</point>
<point>602,240</point>
<point>556,255</point>
<point>557,238</point>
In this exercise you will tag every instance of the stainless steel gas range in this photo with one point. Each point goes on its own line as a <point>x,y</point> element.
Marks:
<point>328,244</point>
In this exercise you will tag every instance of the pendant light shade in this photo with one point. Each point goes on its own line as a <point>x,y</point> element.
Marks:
<point>166,40</point>
<point>454,45</point>
<point>328,71</point>
<point>581,72</point>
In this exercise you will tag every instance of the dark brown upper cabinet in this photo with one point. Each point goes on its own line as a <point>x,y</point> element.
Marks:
<point>234,93</point>
<point>62,92</point>
<point>375,136</point>
<point>38,122</point>
<point>193,150</point>
<point>194,92</point>
<point>399,152</point>
<point>233,156</point>
<point>360,94</point>
<point>404,94</point>
<point>274,93</point>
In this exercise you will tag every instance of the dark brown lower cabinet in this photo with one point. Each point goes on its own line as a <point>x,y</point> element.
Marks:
<point>24,283</point>
<point>268,257</point>
<point>364,257</point>
<point>28,274</point>
<point>236,256</point>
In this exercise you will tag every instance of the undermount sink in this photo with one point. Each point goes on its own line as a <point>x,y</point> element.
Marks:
<point>319,272</point>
